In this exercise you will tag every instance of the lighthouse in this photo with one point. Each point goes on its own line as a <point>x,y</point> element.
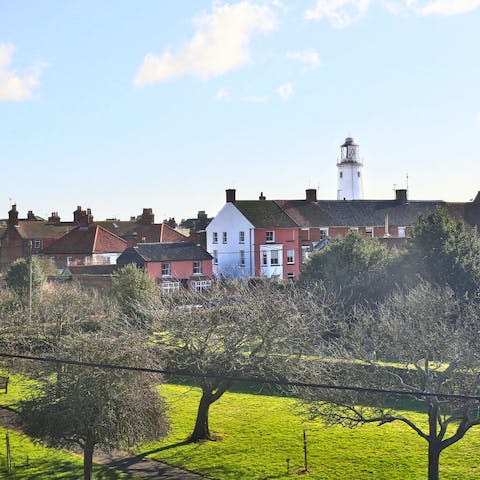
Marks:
<point>350,176</point>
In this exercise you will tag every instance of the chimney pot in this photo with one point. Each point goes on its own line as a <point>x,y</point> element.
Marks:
<point>262,196</point>
<point>311,195</point>
<point>230,193</point>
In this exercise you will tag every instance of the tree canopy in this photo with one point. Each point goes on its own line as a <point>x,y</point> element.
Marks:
<point>422,341</point>
<point>353,265</point>
<point>17,277</point>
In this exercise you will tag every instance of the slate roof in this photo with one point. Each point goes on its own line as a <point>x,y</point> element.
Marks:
<point>348,213</point>
<point>30,229</point>
<point>167,252</point>
<point>156,232</point>
<point>264,214</point>
<point>87,240</point>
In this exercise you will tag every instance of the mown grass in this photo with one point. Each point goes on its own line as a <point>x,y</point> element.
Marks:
<point>258,433</point>
<point>32,461</point>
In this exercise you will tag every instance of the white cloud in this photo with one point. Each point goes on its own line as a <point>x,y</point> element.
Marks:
<point>221,43</point>
<point>340,13</point>
<point>12,85</point>
<point>309,57</point>
<point>442,7</point>
<point>284,91</point>
<point>222,95</point>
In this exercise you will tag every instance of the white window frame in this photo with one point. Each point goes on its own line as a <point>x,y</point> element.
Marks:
<point>242,258</point>
<point>264,258</point>
<point>166,269</point>
<point>270,236</point>
<point>274,258</point>
<point>197,267</point>
<point>215,237</point>
<point>201,285</point>
<point>291,276</point>
<point>69,261</point>
<point>291,256</point>
<point>169,287</point>
<point>404,231</point>
<point>215,257</point>
<point>323,233</point>
<point>37,243</point>
<point>241,237</point>
<point>369,232</point>
<point>225,237</point>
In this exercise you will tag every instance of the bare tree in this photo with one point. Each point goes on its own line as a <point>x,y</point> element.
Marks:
<point>237,330</point>
<point>95,407</point>
<point>423,341</point>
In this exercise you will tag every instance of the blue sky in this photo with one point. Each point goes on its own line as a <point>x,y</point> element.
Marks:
<point>118,105</point>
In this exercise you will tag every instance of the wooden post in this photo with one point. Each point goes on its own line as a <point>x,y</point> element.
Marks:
<point>9,457</point>
<point>305,461</point>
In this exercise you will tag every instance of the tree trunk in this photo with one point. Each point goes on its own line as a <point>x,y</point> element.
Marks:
<point>201,430</point>
<point>433,461</point>
<point>434,443</point>
<point>210,394</point>
<point>87,460</point>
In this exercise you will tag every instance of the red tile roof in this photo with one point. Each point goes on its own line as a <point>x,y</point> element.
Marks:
<point>92,239</point>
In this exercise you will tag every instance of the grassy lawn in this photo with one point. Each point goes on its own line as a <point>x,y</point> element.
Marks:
<point>45,463</point>
<point>259,432</point>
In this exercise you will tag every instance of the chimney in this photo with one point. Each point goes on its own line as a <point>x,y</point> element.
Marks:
<point>230,195</point>
<point>201,215</point>
<point>89,216</point>
<point>401,196</point>
<point>262,196</point>
<point>147,217</point>
<point>53,218</point>
<point>82,217</point>
<point>13,216</point>
<point>311,195</point>
<point>30,215</point>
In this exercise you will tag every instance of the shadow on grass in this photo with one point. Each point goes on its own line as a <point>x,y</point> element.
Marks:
<point>162,449</point>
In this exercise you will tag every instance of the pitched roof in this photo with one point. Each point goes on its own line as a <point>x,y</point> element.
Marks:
<point>346,213</point>
<point>166,252</point>
<point>30,229</point>
<point>88,240</point>
<point>155,232</point>
<point>264,214</point>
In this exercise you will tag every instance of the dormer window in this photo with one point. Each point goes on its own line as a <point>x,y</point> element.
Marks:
<point>269,237</point>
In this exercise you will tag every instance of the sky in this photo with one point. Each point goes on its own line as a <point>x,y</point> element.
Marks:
<point>118,106</point>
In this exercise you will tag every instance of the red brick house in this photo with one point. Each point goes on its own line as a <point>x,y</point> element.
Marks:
<point>172,264</point>
<point>86,245</point>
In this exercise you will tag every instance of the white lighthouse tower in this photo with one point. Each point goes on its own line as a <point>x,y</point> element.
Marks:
<point>350,176</point>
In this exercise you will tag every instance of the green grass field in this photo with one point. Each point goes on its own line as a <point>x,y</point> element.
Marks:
<point>45,463</point>
<point>260,432</point>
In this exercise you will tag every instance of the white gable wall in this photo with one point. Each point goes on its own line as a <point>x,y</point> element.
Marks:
<point>229,220</point>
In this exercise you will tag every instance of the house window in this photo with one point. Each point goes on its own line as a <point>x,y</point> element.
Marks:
<point>274,257</point>
<point>369,232</point>
<point>341,174</point>
<point>169,287</point>
<point>197,267</point>
<point>215,237</point>
<point>201,285</point>
<point>264,258</point>
<point>402,232</point>
<point>291,256</point>
<point>37,244</point>
<point>358,174</point>
<point>215,257</point>
<point>69,260</point>
<point>242,258</point>
<point>291,276</point>
<point>241,237</point>
<point>166,269</point>
<point>225,237</point>
<point>269,237</point>
<point>353,229</point>
<point>323,233</point>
